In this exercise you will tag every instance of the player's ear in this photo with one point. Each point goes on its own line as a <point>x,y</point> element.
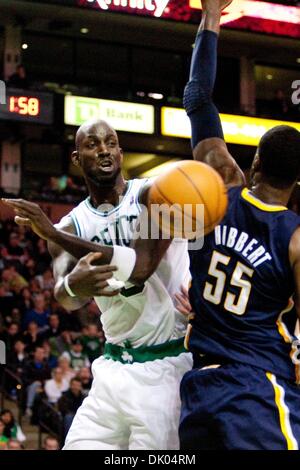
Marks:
<point>75,158</point>
<point>255,170</point>
<point>121,154</point>
<point>256,165</point>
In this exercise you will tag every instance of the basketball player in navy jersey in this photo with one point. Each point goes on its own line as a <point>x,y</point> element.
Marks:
<point>243,391</point>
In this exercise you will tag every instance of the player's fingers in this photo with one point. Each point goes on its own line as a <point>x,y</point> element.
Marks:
<point>22,221</point>
<point>184,291</point>
<point>102,279</point>
<point>22,213</point>
<point>183,302</point>
<point>182,299</point>
<point>107,293</point>
<point>90,257</point>
<point>103,276</point>
<point>183,311</point>
<point>9,202</point>
<point>21,204</point>
<point>106,268</point>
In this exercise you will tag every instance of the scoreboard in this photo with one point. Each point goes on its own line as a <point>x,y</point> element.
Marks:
<point>27,106</point>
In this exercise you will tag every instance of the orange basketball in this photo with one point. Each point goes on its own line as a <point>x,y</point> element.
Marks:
<point>197,194</point>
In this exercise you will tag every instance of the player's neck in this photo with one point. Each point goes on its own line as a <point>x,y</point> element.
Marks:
<point>270,195</point>
<point>107,195</point>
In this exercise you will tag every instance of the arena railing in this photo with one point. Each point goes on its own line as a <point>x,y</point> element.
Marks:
<point>17,384</point>
<point>50,421</point>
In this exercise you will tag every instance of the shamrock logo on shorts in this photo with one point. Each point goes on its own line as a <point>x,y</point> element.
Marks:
<point>127,358</point>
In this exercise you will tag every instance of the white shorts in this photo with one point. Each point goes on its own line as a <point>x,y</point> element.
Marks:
<point>131,406</point>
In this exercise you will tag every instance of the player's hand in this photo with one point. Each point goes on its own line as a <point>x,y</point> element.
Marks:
<point>31,215</point>
<point>213,5</point>
<point>88,280</point>
<point>183,302</point>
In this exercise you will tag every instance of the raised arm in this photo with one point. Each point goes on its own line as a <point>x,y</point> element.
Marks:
<point>207,135</point>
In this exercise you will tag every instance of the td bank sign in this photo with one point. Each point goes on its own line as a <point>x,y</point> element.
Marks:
<point>122,115</point>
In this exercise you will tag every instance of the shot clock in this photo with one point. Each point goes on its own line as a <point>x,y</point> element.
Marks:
<point>27,106</point>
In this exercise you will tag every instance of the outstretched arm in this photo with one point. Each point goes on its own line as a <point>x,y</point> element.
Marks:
<point>30,214</point>
<point>207,135</point>
<point>139,262</point>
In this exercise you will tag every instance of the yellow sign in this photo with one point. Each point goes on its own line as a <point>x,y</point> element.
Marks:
<point>123,116</point>
<point>242,130</point>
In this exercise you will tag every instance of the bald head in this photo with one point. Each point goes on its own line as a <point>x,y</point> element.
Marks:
<point>98,153</point>
<point>95,127</point>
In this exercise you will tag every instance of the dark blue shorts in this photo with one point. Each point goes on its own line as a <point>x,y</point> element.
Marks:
<point>237,406</point>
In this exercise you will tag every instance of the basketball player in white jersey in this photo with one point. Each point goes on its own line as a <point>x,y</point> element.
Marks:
<point>134,401</point>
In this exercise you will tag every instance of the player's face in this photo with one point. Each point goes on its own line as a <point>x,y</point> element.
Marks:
<point>100,155</point>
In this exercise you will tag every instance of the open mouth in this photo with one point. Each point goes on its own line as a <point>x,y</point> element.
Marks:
<point>107,166</point>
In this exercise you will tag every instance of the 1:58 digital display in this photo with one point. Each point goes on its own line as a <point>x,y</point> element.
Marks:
<point>24,105</point>
<point>27,106</point>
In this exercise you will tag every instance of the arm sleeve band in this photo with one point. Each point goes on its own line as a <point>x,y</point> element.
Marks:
<point>124,259</point>
<point>203,114</point>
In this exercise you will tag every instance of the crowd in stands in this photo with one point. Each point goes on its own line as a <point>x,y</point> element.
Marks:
<point>49,349</point>
<point>63,189</point>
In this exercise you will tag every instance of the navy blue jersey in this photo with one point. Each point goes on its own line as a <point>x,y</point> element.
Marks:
<point>242,288</point>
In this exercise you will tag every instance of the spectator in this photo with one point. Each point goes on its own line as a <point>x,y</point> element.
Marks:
<point>39,313</point>
<point>16,360</point>
<point>19,78</point>
<point>16,315</point>
<point>6,301</point>
<point>32,338</point>
<point>36,372</point>
<point>77,358</point>
<point>48,294</point>
<point>14,250</point>
<point>92,346</point>
<point>3,438</point>
<point>34,286</point>
<point>46,280</point>
<point>60,344</point>
<point>42,256</point>
<point>86,379</point>
<point>14,444</point>
<point>10,336</point>
<point>69,403</point>
<point>14,281</point>
<point>56,386</point>
<point>17,357</point>
<point>50,358</point>
<point>51,443</point>
<point>54,326</point>
<point>68,372</point>
<point>30,271</point>
<point>26,302</point>
<point>12,430</point>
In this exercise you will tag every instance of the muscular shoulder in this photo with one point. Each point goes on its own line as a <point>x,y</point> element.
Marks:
<point>294,247</point>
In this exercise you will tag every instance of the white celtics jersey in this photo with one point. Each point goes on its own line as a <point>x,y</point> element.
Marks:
<point>142,316</point>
